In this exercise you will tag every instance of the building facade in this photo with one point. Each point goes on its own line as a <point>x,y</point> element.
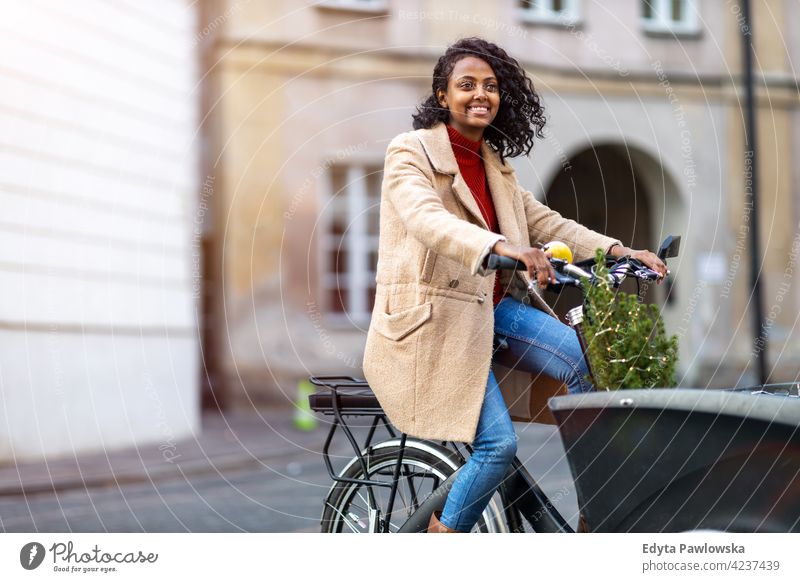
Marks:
<point>645,111</point>
<point>98,338</point>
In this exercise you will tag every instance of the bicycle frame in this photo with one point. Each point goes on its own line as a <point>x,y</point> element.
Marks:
<point>521,496</point>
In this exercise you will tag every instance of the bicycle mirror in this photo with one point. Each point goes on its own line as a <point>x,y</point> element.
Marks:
<point>670,247</point>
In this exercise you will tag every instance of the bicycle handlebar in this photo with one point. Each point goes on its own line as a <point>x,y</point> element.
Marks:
<point>573,275</point>
<point>500,262</point>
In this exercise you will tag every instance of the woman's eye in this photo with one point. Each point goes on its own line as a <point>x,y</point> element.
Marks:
<point>469,85</point>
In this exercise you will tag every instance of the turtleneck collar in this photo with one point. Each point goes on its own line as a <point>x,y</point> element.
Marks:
<point>466,150</point>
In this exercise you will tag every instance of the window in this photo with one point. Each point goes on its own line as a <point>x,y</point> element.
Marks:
<point>350,242</point>
<point>356,5</point>
<point>555,11</point>
<point>669,16</point>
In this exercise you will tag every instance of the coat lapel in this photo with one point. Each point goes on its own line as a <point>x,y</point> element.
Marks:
<point>502,194</point>
<point>440,152</point>
<point>503,198</point>
<point>465,196</point>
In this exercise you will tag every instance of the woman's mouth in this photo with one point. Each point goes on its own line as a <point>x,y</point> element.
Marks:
<point>478,110</point>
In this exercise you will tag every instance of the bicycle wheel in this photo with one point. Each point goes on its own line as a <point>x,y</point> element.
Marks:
<point>425,466</point>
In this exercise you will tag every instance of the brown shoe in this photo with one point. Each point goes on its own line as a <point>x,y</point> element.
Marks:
<point>436,526</point>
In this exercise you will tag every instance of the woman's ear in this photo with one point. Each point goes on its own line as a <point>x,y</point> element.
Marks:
<point>441,97</point>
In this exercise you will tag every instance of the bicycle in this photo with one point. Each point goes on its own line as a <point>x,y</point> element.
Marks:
<point>642,460</point>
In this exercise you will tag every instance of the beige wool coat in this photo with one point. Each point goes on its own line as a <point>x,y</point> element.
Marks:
<point>429,345</point>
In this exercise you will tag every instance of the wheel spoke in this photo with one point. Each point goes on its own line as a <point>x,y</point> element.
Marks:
<point>345,519</point>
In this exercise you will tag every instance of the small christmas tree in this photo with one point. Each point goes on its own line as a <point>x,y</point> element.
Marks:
<point>627,344</point>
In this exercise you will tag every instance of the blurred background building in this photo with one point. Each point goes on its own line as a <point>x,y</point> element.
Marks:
<point>190,190</point>
<point>644,139</point>
<point>99,186</point>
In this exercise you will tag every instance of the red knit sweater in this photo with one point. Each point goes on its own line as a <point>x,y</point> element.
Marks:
<point>471,166</point>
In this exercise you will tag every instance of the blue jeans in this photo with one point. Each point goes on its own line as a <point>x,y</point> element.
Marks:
<point>537,343</point>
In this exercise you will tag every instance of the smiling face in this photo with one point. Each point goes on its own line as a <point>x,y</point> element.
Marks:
<point>472,96</point>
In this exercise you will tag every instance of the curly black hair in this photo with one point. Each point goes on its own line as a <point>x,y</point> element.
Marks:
<point>521,115</point>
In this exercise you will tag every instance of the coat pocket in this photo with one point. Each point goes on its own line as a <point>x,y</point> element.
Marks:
<point>396,326</point>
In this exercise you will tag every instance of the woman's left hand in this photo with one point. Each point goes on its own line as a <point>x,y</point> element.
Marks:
<point>647,258</point>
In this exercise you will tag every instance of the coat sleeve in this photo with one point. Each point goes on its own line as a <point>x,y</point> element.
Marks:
<point>408,187</point>
<point>545,225</point>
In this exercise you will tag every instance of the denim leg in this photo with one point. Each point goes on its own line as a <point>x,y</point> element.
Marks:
<point>493,449</point>
<point>539,343</point>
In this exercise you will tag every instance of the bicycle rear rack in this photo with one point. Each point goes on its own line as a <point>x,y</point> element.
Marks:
<point>352,397</point>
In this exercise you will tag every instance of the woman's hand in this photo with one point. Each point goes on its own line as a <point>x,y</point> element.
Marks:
<point>537,261</point>
<point>647,258</point>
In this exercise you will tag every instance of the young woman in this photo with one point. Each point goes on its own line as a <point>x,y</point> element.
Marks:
<point>449,199</point>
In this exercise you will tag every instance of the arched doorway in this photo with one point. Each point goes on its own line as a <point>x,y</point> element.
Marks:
<point>600,188</point>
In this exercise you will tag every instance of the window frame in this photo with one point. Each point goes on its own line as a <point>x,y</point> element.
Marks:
<point>358,277</point>
<point>661,23</point>
<point>543,13</point>
<point>366,6</point>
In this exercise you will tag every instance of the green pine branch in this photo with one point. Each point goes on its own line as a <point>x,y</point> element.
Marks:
<point>627,344</point>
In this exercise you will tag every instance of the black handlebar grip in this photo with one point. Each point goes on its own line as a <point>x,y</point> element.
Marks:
<point>501,262</point>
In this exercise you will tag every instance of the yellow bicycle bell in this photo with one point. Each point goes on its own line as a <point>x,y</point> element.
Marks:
<point>558,250</point>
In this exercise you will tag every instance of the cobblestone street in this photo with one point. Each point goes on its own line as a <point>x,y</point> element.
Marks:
<point>245,473</point>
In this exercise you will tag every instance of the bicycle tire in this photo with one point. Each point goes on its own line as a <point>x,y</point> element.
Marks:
<point>342,515</point>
